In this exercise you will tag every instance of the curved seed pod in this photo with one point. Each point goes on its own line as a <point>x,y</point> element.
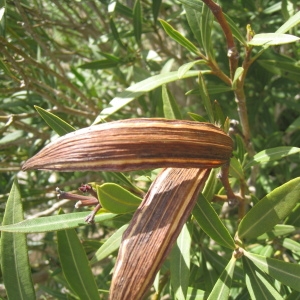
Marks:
<point>136,144</point>
<point>153,230</point>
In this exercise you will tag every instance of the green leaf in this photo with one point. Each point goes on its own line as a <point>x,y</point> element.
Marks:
<point>236,169</point>
<point>205,98</point>
<point>271,155</point>
<point>3,19</point>
<point>279,230</point>
<point>206,26</point>
<point>99,64</point>
<point>170,107</point>
<point>270,210</point>
<point>295,125</point>
<point>235,30</point>
<point>212,90</point>
<point>291,245</point>
<point>115,33</point>
<point>258,283</point>
<point>209,221</point>
<point>238,72</point>
<point>197,117</point>
<point>111,245</point>
<point>194,18</point>
<point>186,67</point>
<point>272,39</point>
<point>195,4</point>
<point>155,9</point>
<point>222,287</point>
<point>179,38</point>
<point>210,185</point>
<point>287,69</point>
<point>290,23</point>
<point>180,264</point>
<point>220,263</point>
<point>53,223</point>
<point>286,273</point>
<point>57,124</point>
<point>14,257</point>
<point>137,21</point>
<point>218,113</point>
<point>139,89</point>
<point>116,199</point>
<point>75,265</point>
<point>195,294</point>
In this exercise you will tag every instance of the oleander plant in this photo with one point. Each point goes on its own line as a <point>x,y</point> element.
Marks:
<point>150,149</point>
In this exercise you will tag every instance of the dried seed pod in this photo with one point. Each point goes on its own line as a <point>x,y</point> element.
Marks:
<point>153,230</point>
<point>136,144</point>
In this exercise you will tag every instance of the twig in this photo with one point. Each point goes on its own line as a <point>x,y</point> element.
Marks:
<point>232,52</point>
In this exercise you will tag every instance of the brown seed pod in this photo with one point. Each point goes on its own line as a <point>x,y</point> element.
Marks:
<point>153,230</point>
<point>136,144</point>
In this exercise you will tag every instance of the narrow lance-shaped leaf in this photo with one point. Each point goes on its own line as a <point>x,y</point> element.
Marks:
<point>14,257</point>
<point>155,9</point>
<point>141,88</point>
<point>272,154</point>
<point>194,18</point>
<point>209,221</point>
<point>57,124</point>
<point>137,21</point>
<point>286,273</point>
<point>206,26</point>
<point>180,264</point>
<point>75,265</point>
<point>272,39</point>
<point>205,98</point>
<point>290,23</point>
<point>154,228</point>
<point>179,38</point>
<point>111,245</point>
<point>270,210</point>
<point>52,223</point>
<point>258,283</point>
<point>222,287</point>
<point>136,144</point>
<point>170,107</point>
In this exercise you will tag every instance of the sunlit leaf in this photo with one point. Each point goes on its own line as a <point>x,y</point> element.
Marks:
<point>287,273</point>
<point>290,23</point>
<point>272,39</point>
<point>222,287</point>
<point>53,223</point>
<point>239,71</point>
<point>180,264</point>
<point>139,89</point>
<point>258,283</point>
<point>270,210</point>
<point>271,155</point>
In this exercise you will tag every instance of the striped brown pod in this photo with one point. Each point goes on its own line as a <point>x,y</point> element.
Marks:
<point>136,144</point>
<point>153,230</point>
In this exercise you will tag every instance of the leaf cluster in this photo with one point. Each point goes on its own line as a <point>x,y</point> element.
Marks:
<point>65,65</point>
